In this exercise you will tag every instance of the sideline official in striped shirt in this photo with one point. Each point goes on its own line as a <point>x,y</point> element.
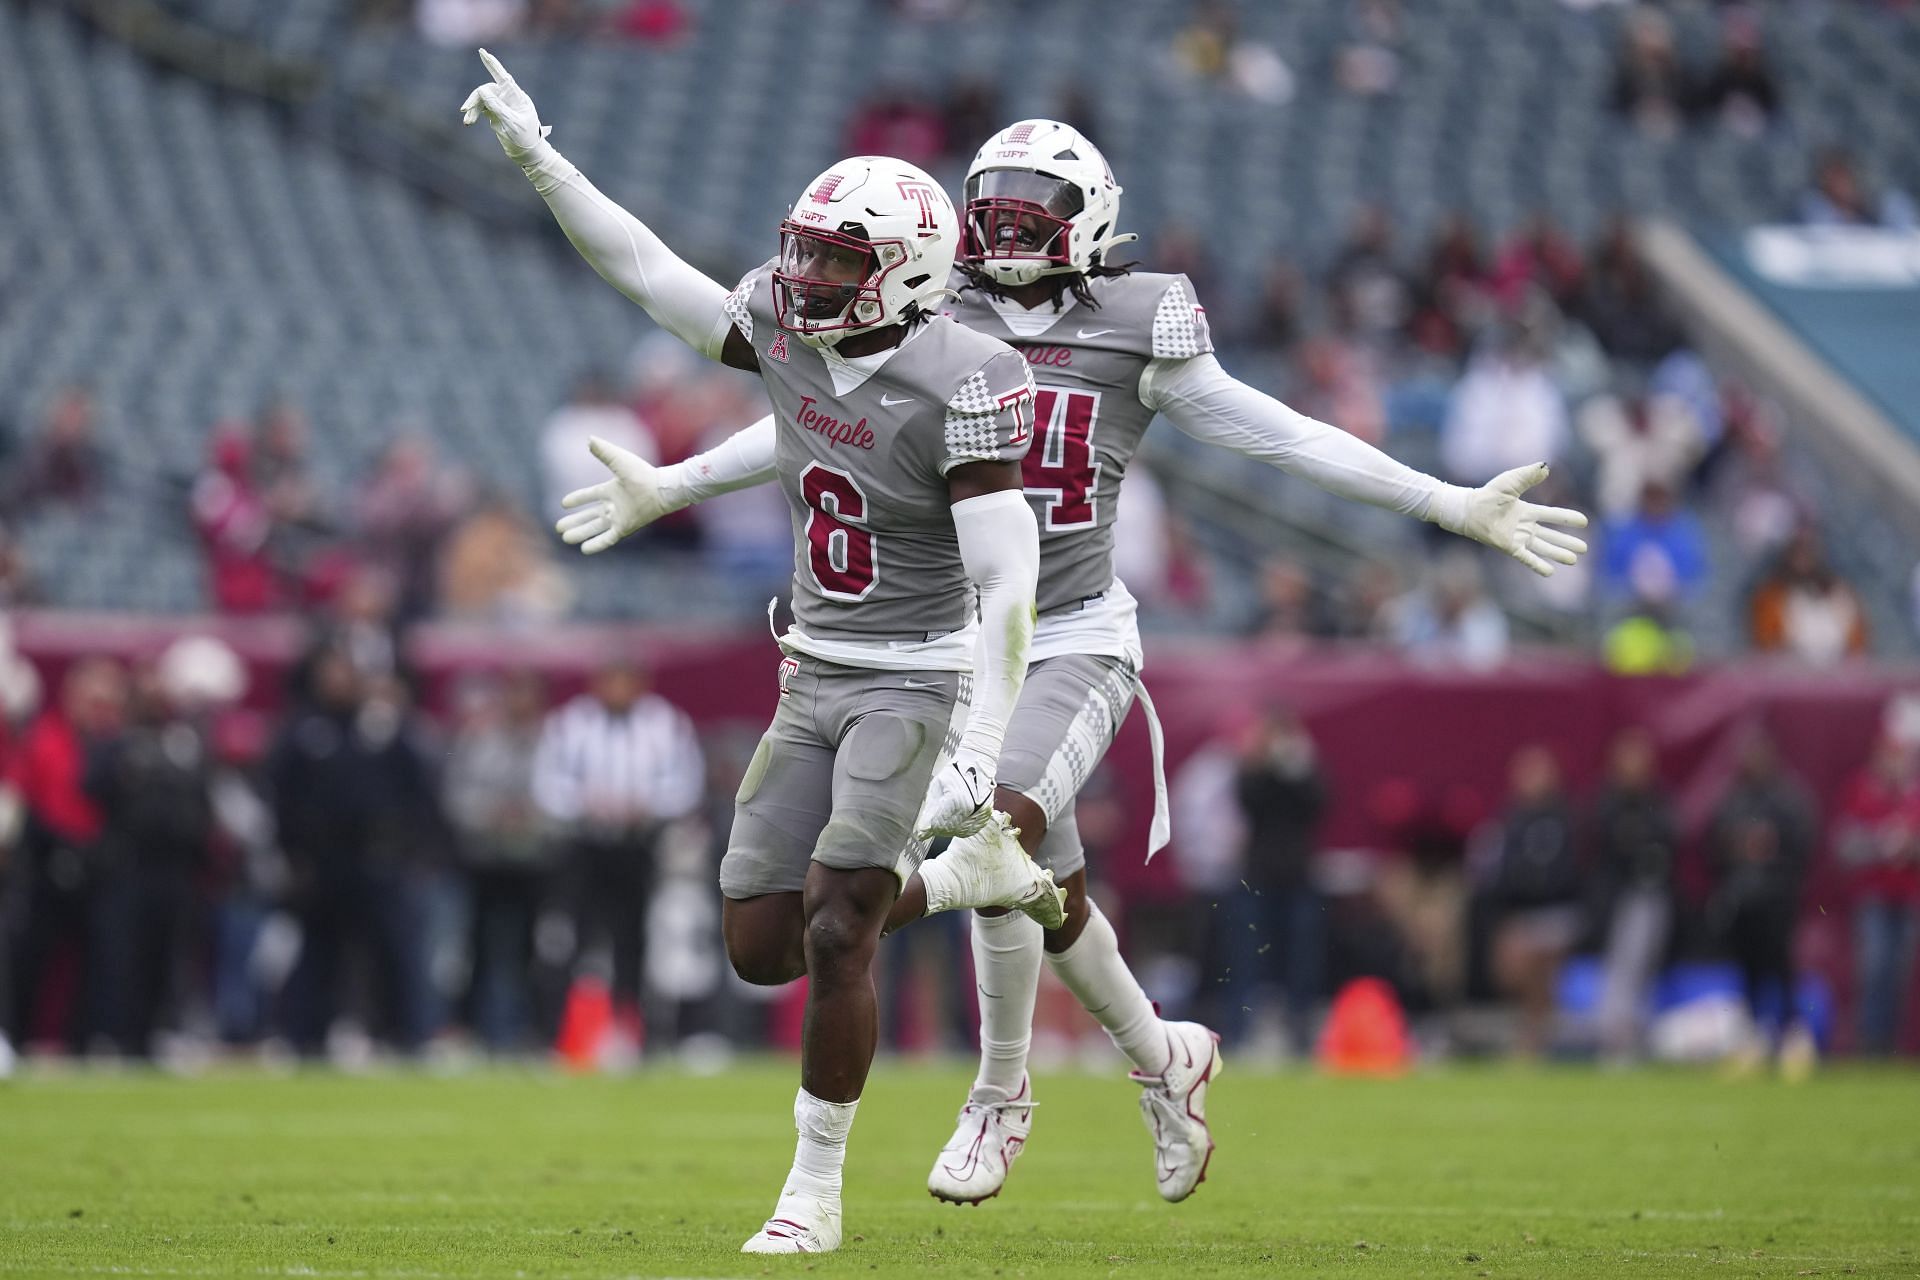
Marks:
<point>613,767</point>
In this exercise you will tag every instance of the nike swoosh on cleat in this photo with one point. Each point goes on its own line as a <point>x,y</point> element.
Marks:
<point>1091,333</point>
<point>887,402</point>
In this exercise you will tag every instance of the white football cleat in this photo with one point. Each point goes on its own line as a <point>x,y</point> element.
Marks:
<point>1174,1105</point>
<point>973,1165</point>
<point>990,869</point>
<point>801,1223</point>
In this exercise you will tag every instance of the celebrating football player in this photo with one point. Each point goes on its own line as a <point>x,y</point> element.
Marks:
<point>899,444</point>
<point>1111,348</point>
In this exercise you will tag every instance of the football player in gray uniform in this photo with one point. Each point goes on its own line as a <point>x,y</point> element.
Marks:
<point>899,444</point>
<point>1110,348</point>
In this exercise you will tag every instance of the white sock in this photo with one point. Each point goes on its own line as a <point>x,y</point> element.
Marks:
<point>1100,980</point>
<point>822,1150</point>
<point>941,880</point>
<point>1006,963</point>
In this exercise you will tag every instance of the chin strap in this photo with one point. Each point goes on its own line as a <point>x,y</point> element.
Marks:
<point>1112,242</point>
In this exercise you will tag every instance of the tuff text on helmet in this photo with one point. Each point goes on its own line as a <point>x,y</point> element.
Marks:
<point>836,430</point>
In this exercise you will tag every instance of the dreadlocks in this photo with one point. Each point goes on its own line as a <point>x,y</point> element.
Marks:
<point>1073,282</point>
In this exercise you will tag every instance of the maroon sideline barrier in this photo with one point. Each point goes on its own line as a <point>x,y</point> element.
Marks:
<point>1392,736</point>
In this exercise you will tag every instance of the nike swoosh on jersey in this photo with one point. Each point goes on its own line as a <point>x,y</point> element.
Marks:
<point>922,684</point>
<point>886,402</point>
<point>1091,333</point>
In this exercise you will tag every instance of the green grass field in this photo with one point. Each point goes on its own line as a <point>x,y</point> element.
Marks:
<point>1461,1173</point>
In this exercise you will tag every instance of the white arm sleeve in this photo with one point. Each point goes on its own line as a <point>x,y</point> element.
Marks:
<point>1208,403</point>
<point>1000,548</point>
<point>742,460</point>
<point>630,257</point>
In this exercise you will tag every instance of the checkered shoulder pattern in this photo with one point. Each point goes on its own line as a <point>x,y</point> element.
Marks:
<point>1180,324</point>
<point>739,303</point>
<point>990,418</point>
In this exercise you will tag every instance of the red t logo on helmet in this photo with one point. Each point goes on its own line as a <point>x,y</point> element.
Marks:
<point>924,196</point>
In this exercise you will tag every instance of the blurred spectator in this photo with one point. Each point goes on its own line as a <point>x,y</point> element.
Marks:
<point>1751,482</point>
<point>283,478</point>
<point>1363,602</point>
<point>1533,889</point>
<point>154,786</point>
<point>1656,554</point>
<point>1276,920</point>
<point>613,767</point>
<point>17,584</point>
<point>1760,841</point>
<point>1538,258</point>
<point>235,526</point>
<point>63,464</point>
<point>1277,322</point>
<point>403,511</point>
<point>1181,250</point>
<point>54,996</point>
<point>1649,87</point>
<point>506,848</point>
<point>1142,547</point>
<point>1639,440</point>
<point>1210,48</point>
<point>972,114</point>
<point>1741,90</point>
<point>1619,303</point>
<point>1338,383</point>
<point>362,625</point>
<point>1208,853</point>
<point>1839,199</point>
<point>1372,298</point>
<point>465,23</point>
<point>899,122</point>
<point>1369,63</point>
<point>357,809</point>
<point>1505,413</point>
<point>495,568</point>
<point>1804,609</point>
<point>1455,294</point>
<point>565,461</point>
<point>655,22</point>
<point>1287,610</point>
<point>1451,621</point>
<point>1635,841</point>
<point>1877,838</point>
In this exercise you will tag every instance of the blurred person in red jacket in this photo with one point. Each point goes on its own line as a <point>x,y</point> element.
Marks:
<point>234,522</point>
<point>61,828</point>
<point>1877,837</point>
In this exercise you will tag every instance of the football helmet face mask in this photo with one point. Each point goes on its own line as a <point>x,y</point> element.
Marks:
<point>869,240</point>
<point>1041,201</point>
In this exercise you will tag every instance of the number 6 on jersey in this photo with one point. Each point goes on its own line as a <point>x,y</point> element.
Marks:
<point>840,553</point>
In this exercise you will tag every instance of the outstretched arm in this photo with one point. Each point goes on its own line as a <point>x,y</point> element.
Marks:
<point>619,246</point>
<point>1206,402</point>
<point>1000,549</point>
<point>638,493</point>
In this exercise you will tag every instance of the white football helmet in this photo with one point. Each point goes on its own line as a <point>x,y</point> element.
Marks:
<point>1041,201</point>
<point>867,240</point>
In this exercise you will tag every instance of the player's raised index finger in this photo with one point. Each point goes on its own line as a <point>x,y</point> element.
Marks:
<point>494,69</point>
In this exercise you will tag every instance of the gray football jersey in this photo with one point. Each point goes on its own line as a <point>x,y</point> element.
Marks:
<point>875,554</point>
<point>1088,419</point>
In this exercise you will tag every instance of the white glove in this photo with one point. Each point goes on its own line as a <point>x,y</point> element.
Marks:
<point>959,800</point>
<point>1494,514</point>
<point>508,109</point>
<point>633,499</point>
